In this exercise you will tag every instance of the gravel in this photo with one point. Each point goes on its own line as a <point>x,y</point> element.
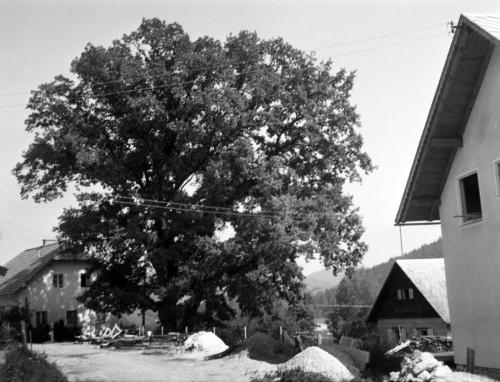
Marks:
<point>205,342</point>
<point>314,359</point>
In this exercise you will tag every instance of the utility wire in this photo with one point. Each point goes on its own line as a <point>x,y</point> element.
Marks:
<point>340,306</point>
<point>197,208</point>
<point>249,61</point>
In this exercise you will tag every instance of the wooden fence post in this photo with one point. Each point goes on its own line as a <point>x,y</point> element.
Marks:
<point>23,332</point>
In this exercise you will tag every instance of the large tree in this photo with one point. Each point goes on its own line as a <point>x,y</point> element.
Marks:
<point>170,142</point>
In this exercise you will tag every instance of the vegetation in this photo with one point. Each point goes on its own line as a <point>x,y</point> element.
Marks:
<point>157,129</point>
<point>24,365</point>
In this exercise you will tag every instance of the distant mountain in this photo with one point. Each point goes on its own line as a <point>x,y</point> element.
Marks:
<point>321,280</point>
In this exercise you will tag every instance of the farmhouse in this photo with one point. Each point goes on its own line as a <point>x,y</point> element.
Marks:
<point>412,301</point>
<point>455,180</point>
<point>47,280</point>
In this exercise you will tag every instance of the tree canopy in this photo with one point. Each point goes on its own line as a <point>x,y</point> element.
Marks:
<point>170,143</point>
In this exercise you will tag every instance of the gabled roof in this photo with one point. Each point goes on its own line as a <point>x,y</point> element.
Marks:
<point>428,276</point>
<point>475,38</point>
<point>22,268</point>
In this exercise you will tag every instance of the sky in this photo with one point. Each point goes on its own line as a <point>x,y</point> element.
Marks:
<point>397,49</point>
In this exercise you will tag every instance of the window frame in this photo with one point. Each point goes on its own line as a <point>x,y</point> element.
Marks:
<point>58,280</point>
<point>74,320</point>
<point>403,296</point>
<point>84,276</point>
<point>496,171</point>
<point>465,219</point>
<point>41,318</point>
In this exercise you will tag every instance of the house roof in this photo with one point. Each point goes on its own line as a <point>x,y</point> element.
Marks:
<point>22,268</point>
<point>473,43</point>
<point>428,276</point>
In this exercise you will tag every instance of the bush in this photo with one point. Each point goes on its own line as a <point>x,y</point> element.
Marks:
<point>26,366</point>
<point>64,332</point>
<point>295,375</point>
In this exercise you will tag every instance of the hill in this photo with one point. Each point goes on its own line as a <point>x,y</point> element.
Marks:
<point>321,280</point>
<point>374,276</point>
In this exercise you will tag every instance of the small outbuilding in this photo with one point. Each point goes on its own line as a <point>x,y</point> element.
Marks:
<point>413,301</point>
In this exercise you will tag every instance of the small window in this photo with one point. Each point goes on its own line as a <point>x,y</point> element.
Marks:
<point>425,331</point>
<point>396,334</point>
<point>471,198</point>
<point>58,280</point>
<point>84,280</point>
<point>41,318</point>
<point>405,294</point>
<point>71,317</point>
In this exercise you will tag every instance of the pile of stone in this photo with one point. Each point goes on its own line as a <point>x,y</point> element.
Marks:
<point>313,359</point>
<point>421,367</point>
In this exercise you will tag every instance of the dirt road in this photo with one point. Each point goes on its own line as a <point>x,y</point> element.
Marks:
<point>84,362</point>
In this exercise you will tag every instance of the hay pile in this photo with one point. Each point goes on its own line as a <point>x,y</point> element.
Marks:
<point>261,346</point>
<point>205,342</point>
<point>316,360</point>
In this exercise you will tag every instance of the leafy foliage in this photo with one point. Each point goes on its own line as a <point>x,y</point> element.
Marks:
<point>248,125</point>
<point>24,365</point>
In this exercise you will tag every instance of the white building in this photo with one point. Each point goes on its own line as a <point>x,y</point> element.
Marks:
<point>47,281</point>
<point>455,180</point>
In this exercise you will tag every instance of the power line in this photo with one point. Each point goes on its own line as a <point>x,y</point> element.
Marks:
<point>248,61</point>
<point>340,306</point>
<point>380,36</point>
<point>198,208</point>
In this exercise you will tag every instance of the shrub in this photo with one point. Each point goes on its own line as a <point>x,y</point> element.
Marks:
<point>64,332</point>
<point>24,365</point>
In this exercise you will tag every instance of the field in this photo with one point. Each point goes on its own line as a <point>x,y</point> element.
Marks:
<point>83,362</point>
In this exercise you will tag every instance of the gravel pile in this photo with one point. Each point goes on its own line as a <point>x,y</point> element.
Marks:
<point>314,359</point>
<point>205,342</point>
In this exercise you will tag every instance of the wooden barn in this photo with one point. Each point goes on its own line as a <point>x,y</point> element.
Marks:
<point>413,301</point>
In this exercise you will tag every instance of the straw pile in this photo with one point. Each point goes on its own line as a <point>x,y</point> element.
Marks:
<point>313,359</point>
<point>260,345</point>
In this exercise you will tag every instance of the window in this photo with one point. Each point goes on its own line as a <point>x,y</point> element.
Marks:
<point>396,334</point>
<point>58,280</point>
<point>425,331</point>
<point>471,198</point>
<point>405,294</point>
<point>84,280</point>
<point>71,318</point>
<point>41,318</point>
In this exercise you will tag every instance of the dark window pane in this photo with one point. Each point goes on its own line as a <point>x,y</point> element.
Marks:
<point>471,198</point>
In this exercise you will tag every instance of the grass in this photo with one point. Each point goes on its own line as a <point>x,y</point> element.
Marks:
<point>22,365</point>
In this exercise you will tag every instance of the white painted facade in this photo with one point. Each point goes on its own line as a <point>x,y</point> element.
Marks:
<point>472,249</point>
<point>41,295</point>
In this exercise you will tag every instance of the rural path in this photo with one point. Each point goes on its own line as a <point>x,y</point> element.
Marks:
<point>84,362</point>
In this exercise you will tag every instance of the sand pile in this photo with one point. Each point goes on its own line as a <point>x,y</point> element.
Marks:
<point>316,360</point>
<point>260,346</point>
<point>205,342</point>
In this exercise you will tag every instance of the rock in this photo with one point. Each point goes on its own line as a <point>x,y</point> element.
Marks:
<point>394,376</point>
<point>442,372</point>
<point>425,376</point>
<point>427,362</point>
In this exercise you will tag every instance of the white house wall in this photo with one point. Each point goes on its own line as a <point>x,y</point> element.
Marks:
<point>43,296</point>
<point>472,251</point>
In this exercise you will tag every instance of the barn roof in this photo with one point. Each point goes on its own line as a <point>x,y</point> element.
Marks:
<point>473,43</point>
<point>428,276</point>
<point>22,268</point>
